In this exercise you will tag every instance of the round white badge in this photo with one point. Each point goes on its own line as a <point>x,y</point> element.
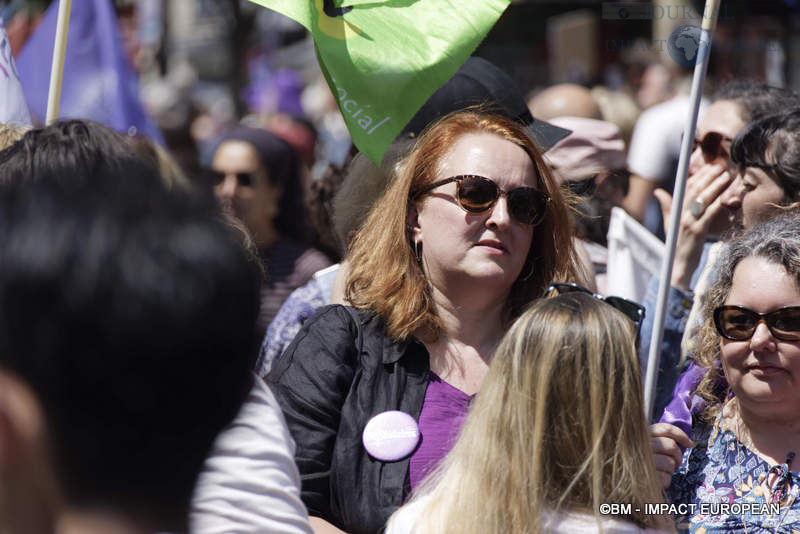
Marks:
<point>390,436</point>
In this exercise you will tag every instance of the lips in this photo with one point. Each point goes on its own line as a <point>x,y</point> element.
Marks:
<point>492,243</point>
<point>764,370</point>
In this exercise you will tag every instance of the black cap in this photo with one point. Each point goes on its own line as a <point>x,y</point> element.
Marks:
<point>480,82</point>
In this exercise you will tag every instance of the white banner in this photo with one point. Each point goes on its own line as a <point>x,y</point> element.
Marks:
<point>634,255</point>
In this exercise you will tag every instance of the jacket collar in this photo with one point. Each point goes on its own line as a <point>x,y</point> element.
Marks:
<point>394,350</point>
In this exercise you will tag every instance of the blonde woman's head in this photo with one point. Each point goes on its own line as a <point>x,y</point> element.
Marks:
<point>558,426</point>
<point>10,134</point>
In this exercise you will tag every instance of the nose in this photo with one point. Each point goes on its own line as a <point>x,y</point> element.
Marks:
<point>227,188</point>
<point>731,198</point>
<point>762,340</point>
<point>498,216</point>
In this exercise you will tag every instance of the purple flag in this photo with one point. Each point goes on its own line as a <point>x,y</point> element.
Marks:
<point>99,83</point>
<point>13,109</point>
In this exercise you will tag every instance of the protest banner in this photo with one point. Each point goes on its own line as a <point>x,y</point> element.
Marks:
<point>99,83</point>
<point>383,59</point>
<point>634,256</point>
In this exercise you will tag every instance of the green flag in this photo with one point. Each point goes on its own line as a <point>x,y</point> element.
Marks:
<point>384,58</point>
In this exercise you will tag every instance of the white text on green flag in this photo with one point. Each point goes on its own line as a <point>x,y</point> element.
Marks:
<point>384,58</point>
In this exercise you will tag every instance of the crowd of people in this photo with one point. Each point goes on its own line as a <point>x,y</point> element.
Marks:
<point>421,346</point>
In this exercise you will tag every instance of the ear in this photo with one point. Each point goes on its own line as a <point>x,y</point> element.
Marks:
<point>29,495</point>
<point>412,223</point>
<point>21,421</point>
<point>9,442</point>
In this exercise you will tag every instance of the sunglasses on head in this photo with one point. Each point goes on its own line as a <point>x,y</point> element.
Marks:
<point>712,146</point>
<point>477,194</point>
<point>583,188</point>
<point>217,177</point>
<point>616,178</point>
<point>632,310</point>
<point>739,324</point>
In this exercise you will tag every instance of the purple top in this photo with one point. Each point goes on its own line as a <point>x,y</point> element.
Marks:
<point>684,402</point>
<point>443,412</point>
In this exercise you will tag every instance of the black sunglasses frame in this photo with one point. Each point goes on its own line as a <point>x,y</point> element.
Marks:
<point>242,178</point>
<point>632,310</point>
<point>542,198</point>
<point>768,319</point>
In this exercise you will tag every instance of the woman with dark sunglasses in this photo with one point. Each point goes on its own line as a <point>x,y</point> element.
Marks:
<point>471,231</point>
<point>711,204</point>
<point>768,184</point>
<point>256,177</point>
<point>749,347</point>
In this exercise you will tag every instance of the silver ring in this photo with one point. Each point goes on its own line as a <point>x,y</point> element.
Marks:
<point>697,207</point>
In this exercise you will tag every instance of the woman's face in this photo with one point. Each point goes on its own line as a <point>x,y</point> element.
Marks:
<point>722,121</point>
<point>759,193</point>
<point>764,372</point>
<point>487,248</point>
<point>244,189</point>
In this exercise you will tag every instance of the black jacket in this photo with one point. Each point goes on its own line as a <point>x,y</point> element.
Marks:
<point>341,370</point>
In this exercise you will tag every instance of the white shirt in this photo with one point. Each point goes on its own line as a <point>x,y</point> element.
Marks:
<point>403,522</point>
<point>250,483</point>
<point>656,141</point>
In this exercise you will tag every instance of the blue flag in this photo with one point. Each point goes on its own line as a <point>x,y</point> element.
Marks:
<point>13,109</point>
<point>99,83</point>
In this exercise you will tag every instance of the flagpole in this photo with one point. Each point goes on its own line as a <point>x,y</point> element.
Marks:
<point>654,357</point>
<point>57,69</point>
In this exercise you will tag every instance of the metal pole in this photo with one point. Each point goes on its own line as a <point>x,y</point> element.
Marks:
<point>57,69</point>
<point>654,357</point>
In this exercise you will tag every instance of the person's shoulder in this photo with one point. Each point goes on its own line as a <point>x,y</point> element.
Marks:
<point>306,298</point>
<point>313,260</point>
<point>581,523</point>
<point>258,431</point>
<point>343,314</point>
<point>304,254</point>
<point>335,322</point>
<point>404,520</point>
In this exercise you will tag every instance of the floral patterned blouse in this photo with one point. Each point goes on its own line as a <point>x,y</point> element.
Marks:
<point>725,487</point>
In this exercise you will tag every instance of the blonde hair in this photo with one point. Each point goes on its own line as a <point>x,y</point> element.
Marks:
<point>558,425</point>
<point>10,134</point>
<point>386,277</point>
